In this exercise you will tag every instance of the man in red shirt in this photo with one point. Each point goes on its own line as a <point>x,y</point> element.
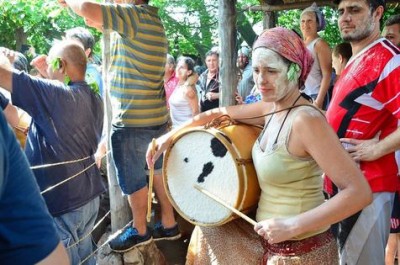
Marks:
<point>391,31</point>
<point>364,111</point>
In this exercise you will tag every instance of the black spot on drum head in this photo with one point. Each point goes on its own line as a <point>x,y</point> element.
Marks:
<point>217,148</point>
<point>207,169</point>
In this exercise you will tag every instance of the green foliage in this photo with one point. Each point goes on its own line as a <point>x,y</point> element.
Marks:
<point>331,33</point>
<point>245,21</point>
<point>291,19</point>
<point>391,10</point>
<point>191,26</point>
<point>37,22</point>
<point>188,25</point>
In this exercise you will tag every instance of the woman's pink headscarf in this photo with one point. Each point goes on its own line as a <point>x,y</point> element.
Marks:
<point>289,45</point>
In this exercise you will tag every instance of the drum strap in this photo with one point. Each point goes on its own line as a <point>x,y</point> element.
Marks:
<point>283,122</point>
<point>289,108</point>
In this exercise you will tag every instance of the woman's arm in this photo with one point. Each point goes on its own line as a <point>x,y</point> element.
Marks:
<point>86,9</point>
<point>191,95</point>
<point>324,56</point>
<point>321,142</point>
<point>312,135</point>
<point>250,114</point>
<point>11,114</point>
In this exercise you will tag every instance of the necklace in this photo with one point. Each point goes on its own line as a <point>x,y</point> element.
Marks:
<point>275,144</point>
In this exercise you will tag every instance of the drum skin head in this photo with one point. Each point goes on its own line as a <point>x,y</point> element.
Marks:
<point>206,158</point>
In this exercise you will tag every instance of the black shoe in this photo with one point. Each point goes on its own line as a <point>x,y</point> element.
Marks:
<point>162,233</point>
<point>128,239</point>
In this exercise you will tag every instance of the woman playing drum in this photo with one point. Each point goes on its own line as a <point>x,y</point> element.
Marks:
<point>295,147</point>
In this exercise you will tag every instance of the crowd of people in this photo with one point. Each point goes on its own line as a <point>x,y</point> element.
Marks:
<point>342,142</point>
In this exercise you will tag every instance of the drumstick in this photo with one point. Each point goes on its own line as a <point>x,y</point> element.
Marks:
<point>151,176</point>
<point>239,213</point>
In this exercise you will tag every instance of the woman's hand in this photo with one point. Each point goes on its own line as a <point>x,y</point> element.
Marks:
<point>318,104</point>
<point>62,3</point>
<point>10,54</point>
<point>238,98</point>
<point>211,96</point>
<point>277,230</point>
<point>192,80</point>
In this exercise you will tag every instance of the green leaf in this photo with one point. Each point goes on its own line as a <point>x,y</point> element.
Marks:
<point>92,84</point>
<point>67,80</point>
<point>293,72</point>
<point>55,63</point>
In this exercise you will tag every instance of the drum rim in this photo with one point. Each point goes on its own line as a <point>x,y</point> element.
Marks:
<point>243,186</point>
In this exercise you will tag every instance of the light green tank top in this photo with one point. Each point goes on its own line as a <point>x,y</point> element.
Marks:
<point>289,185</point>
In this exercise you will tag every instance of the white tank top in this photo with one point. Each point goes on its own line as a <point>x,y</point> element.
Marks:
<point>180,110</point>
<point>314,78</point>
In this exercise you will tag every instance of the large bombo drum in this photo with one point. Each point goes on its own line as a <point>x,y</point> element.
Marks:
<point>219,161</point>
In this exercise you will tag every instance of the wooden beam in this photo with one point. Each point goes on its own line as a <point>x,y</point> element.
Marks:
<point>288,6</point>
<point>295,4</point>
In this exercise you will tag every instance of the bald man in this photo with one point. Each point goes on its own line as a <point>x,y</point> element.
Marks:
<point>67,121</point>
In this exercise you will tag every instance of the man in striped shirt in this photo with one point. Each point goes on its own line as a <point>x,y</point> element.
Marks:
<point>138,56</point>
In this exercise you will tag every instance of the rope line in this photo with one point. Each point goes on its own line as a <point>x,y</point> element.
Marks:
<point>68,179</point>
<point>103,245</point>
<point>88,234</point>
<point>73,176</point>
<point>66,162</point>
<point>60,163</point>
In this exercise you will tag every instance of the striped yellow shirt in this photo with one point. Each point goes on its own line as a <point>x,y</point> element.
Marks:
<point>138,55</point>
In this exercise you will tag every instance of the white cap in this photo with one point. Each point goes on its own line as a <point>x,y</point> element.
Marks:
<point>245,50</point>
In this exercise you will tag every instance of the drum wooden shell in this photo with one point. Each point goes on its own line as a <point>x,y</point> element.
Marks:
<point>218,160</point>
<point>21,130</point>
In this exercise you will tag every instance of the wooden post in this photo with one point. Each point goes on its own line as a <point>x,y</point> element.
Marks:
<point>20,38</point>
<point>228,54</point>
<point>289,5</point>
<point>269,20</point>
<point>120,211</point>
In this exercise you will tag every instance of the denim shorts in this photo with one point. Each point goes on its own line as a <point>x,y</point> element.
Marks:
<point>129,146</point>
